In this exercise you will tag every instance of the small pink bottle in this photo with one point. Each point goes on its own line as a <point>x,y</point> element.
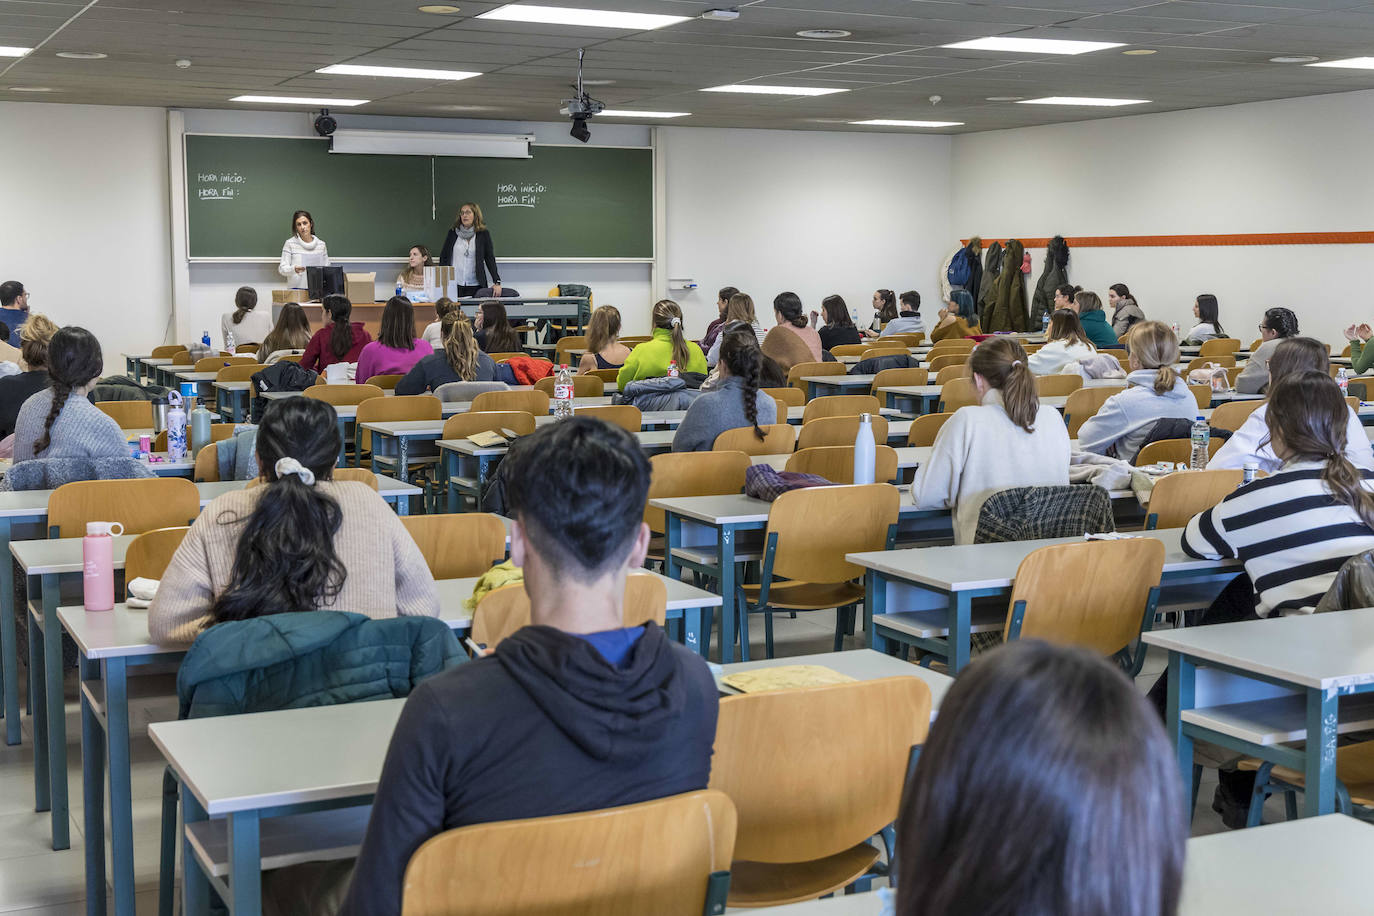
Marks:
<point>97,553</point>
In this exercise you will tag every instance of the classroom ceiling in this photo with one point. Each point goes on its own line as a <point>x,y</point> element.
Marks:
<point>1206,53</point>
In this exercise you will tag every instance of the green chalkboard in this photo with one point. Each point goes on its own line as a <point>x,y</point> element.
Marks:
<point>564,202</point>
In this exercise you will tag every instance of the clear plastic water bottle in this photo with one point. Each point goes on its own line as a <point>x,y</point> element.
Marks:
<point>563,393</point>
<point>205,339</point>
<point>1045,325</point>
<point>1250,472</point>
<point>672,369</point>
<point>854,317</point>
<point>229,341</point>
<point>865,454</point>
<point>1174,327</point>
<point>1202,433</point>
<point>1343,380</point>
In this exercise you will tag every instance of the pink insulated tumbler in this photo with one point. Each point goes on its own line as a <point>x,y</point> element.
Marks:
<point>97,552</point>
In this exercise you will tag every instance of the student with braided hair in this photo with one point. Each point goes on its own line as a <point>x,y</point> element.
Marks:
<point>735,401</point>
<point>461,360</point>
<point>59,421</point>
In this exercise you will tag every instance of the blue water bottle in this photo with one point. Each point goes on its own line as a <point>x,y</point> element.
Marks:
<point>205,339</point>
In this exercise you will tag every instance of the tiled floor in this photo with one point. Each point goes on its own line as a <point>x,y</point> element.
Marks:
<point>35,880</point>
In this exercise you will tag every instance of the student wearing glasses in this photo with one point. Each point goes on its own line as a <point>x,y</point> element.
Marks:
<point>1277,325</point>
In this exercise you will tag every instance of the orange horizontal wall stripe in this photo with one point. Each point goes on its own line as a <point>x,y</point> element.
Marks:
<point>1177,241</point>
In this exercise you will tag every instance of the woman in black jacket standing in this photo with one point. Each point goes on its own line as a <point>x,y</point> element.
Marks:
<point>468,250</point>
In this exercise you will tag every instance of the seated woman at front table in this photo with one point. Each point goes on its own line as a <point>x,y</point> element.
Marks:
<point>956,319</point>
<point>246,322</point>
<point>1250,443</point>
<point>339,341</point>
<point>791,340</point>
<point>290,337</point>
<point>839,328</point>
<point>1093,763</point>
<point>1154,391</point>
<point>59,421</point>
<point>735,401</point>
<point>884,310</point>
<point>740,310</point>
<point>1066,343</point>
<point>1361,353</point>
<point>396,349</point>
<point>413,277</point>
<point>460,360</point>
<point>494,331</point>
<point>669,344</point>
<point>1276,325</point>
<point>303,246</point>
<point>1009,440</point>
<point>1208,327</point>
<point>604,349</point>
<point>300,542</point>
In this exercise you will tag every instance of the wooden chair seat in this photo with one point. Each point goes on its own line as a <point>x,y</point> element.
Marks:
<point>768,884</point>
<point>808,596</point>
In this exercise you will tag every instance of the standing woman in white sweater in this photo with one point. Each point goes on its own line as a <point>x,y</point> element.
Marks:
<point>302,242</point>
<point>1009,440</point>
<point>1068,343</point>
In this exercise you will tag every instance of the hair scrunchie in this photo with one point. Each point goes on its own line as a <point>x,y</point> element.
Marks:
<point>285,467</point>
<point>675,321</point>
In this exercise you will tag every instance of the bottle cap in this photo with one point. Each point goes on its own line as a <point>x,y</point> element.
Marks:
<point>97,529</point>
<point>865,418</point>
<point>1252,465</point>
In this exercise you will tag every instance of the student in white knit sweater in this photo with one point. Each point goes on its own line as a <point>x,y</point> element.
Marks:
<point>303,246</point>
<point>1067,343</point>
<point>1009,440</point>
<point>1154,391</point>
<point>299,542</point>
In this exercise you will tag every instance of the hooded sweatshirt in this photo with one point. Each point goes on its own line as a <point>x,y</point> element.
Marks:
<point>1121,424</point>
<point>546,725</point>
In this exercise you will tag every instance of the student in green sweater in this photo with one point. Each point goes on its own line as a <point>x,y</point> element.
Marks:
<point>669,344</point>
<point>1361,353</point>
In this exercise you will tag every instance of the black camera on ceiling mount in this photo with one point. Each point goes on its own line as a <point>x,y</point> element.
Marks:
<point>325,125</point>
<point>582,108</point>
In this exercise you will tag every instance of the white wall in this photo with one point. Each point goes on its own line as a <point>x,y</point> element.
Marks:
<point>86,196</point>
<point>1296,165</point>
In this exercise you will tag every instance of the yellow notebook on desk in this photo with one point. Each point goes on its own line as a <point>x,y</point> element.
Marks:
<point>785,677</point>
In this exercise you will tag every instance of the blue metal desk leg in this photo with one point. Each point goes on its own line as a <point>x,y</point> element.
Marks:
<point>961,608</point>
<point>93,795</point>
<point>245,865</point>
<point>875,604</point>
<point>1320,797</point>
<point>42,793</point>
<point>57,714</point>
<point>1182,696</point>
<point>726,543</point>
<point>9,641</point>
<point>403,459</point>
<point>672,533</point>
<point>121,786</point>
<point>343,444</point>
<point>691,622</point>
<point>450,475</point>
<point>195,888</point>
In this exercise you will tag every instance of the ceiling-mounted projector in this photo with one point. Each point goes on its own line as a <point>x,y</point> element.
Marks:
<point>582,107</point>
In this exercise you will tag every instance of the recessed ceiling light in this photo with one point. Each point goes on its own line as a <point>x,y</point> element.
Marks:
<point>438,9</point>
<point>888,122</point>
<point>824,33</point>
<point>598,82</point>
<point>1034,45</point>
<point>13,52</point>
<point>1294,59</point>
<point>82,55</point>
<point>1005,98</point>
<point>603,19</point>
<point>759,89</point>
<point>296,100</point>
<point>627,113</point>
<point>409,73</point>
<point>465,108</point>
<point>30,89</point>
<point>1350,63</point>
<point>1080,100</point>
<point>1139,52</point>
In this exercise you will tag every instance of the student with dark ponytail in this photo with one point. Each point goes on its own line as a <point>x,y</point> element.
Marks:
<point>735,401</point>
<point>59,421</point>
<point>339,341</point>
<point>792,339</point>
<point>301,541</point>
<point>1009,440</point>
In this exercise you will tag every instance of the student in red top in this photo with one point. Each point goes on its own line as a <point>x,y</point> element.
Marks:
<point>340,341</point>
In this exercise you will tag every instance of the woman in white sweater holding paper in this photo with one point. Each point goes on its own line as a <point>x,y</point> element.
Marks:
<point>1009,440</point>
<point>304,249</point>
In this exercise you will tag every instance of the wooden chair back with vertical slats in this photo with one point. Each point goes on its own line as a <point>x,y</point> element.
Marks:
<point>459,545</point>
<point>958,392</point>
<point>140,504</point>
<point>673,474</point>
<point>894,378</point>
<point>1172,450</point>
<point>504,610</point>
<point>462,425</point>
<point>1177,497</point>
<point>1198,362</point>
<point>925,429</point>
<point>396,408</point>
<point>626,416</point>
<point>937,363</point>
<point>802,370</point>
<point>840,405</point>
<point>584,386</point>
<point>343,394</point>
<point>1057,386</point>
<point>778,439</point>
<point>128,414</point>
<point>1084,403</point>
<point>1202,394</point>
<point>653,857</point>
<point>384,382</point>
<point>1232,415</point>
<point>534,403</point>
<point>1219,346</point>
<point>839,431</point>
<point>150,553</point>
<point>836,464</point>
<point>949,373</point>
<point>792,397</point>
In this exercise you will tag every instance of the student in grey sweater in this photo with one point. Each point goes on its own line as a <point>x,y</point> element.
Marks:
<point>736,400</point>
<point>59,421</point>
<point>1278,324</point>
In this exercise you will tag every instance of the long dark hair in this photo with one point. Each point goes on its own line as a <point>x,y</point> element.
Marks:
<point>340,310</point>
<point>297,215</point>
<point>1075,758</point>
<point>244,301</point>
<point>1298,354</point>
<point>1308,415</point>
<point>836,312</point>
<point>285,558</point>
<point>74,358</point>
<point>739,351</point>
<point>496,329</point>
<point>1208,310</point>
<point>1003,364</point>
<point>789,306</point>
<point>1064,325</point>
<point>398,324</point>
<point>888,310</point>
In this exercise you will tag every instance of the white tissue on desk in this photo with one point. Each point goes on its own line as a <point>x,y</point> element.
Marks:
<point>141,592</point>
<point>1109,536</point>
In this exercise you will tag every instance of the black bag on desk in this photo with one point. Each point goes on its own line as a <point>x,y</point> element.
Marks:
<point>324,281</point>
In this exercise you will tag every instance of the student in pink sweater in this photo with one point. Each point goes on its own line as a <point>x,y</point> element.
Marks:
<point>396,349</point>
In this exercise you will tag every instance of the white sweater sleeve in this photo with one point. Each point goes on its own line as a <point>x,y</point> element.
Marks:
<point>1247,444</point>
<point>287,268</point>
<point>324,252</point>
<point>936,485</point>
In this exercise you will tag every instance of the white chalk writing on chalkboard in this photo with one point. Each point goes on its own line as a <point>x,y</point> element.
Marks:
<point>226,182</point>
<point>526,194</point>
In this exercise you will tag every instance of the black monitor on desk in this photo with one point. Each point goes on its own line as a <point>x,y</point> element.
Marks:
<point>324,281</point>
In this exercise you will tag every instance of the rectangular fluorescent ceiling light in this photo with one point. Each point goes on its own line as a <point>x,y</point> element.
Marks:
<point>888,122</point>
<point>13,52</point>
<point>1034,45</point>
<point>627,113</point>
<point>1350,63</point>
<point>1074,100</point>
<point>758,89</point>
<point>408,73</point>
<point>601,19</point>
<point>294,100</point>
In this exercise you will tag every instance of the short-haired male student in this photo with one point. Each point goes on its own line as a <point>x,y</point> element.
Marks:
<point>572,713</point>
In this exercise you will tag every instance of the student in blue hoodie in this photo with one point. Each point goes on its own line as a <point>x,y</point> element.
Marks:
<point>1154,391</point>
<point>572,713</point>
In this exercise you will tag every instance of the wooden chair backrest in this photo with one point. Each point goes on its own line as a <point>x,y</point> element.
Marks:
<point>571,342</point>
<point>779,755</point>
<point>458,545</point>
<point>1233,414</point>
<point>1174,450</point>
<point>836,463</point>
<point>534,403</point>
<point>397,407</point>
<point>840,405</point>
<point>936,362</point>
<point>584,386</point>
<point>242,372</point>
<point>140,504</point>
<point>884,349</point>
<point>207,465</point>
<point>949,373</point>
<point>925,429</point>
<point>181,357</point>
<point>1119,353</point>
<point>634,341</point>
<point>249,348</point>
<point>626,416</point>
<point>713,473</point>
<point>1256,343</point>
<point>343,394</point>
<point>839,431</point>
<point>890,378</point>
<point>218,432</point>
<point>1057,386</point>
<point>952,345</point>
<point>506,355</point>
<point>913,339</point>
<point>165,351</point>
<point>1345,351</point>
<point>958,392</point>
<point>215,363</point>
<point>290,358</point>
<point>1104,608</point>
<point>384,382</point>
<point>778,439</point>
<point>1084,403</point>
<point>504,610</point>
<point>1232,373</point>
<point>1219,346</point>
<point>462,425</point>
<point>792,397</point>
<point>1177,497</point>
<point>801,370</point>
<point>357,475</point>
<point>150,552</point>
<point>1226,361</point>
<point>848,349</point>
<point>128,414</point>
<point>653,857</point>
<point>1202,394</point>
<point>607,376</point>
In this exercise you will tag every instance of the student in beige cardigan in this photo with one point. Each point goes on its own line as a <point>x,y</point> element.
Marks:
<point>300,542</point>
<point>792,340</point>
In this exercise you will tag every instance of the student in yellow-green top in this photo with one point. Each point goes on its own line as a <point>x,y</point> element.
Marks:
<point>650,359</point>
<point>1361,353</point>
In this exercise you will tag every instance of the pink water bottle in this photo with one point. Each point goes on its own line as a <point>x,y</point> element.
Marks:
<point>97,554</point>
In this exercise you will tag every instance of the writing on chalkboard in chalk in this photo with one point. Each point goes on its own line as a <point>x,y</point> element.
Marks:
<point>519,195</point>
<point>226,179</point>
